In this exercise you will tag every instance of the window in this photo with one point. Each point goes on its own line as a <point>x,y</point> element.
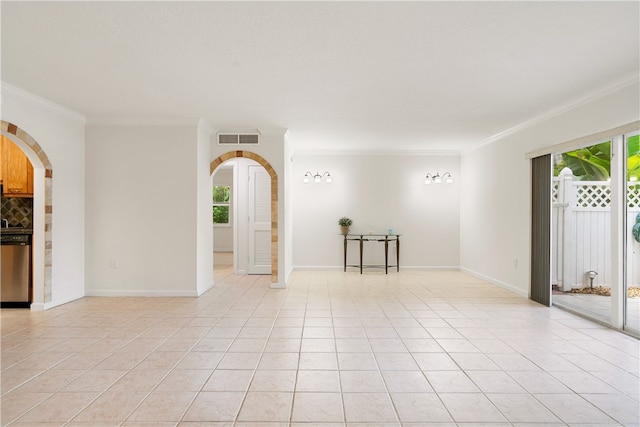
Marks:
<point>221,197</point>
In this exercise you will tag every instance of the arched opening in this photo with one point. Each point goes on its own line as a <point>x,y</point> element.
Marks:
<point>42,244</point>
<point>274,198</point>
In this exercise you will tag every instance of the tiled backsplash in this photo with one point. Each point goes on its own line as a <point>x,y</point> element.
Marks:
<point>18,211</point>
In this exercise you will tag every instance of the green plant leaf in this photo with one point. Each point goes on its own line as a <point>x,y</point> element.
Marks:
<point>633,145</point>
<point>586,166</point>
<point>633,157</point>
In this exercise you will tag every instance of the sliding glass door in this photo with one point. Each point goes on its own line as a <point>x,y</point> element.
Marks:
<point>590,262</point>
<point>581,231</point>
<point>595,231</point>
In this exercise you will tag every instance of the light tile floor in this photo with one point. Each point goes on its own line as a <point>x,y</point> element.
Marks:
<point>414,348</point>
<point>599,307</point>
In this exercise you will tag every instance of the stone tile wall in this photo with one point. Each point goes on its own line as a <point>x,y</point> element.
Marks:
<point>18,211</point>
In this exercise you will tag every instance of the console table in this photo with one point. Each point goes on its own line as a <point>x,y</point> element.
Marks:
<point>361,238</point>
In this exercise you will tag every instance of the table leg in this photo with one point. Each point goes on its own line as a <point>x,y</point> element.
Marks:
<point>397,253</point>
<point>361,245</point>
<point>386,255</point>
<point>345,254</point>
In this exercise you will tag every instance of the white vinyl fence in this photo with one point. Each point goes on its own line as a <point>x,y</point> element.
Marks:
<point>581,233</point>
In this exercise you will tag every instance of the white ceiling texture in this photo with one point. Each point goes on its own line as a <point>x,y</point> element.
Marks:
<point>417,76</point>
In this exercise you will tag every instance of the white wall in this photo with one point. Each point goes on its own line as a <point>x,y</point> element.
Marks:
<point>204,226</point>
<point>223,234</point>
<point>495,199</point>
<point>288,205</point>
<point>60,134</point>
<point>378,192</point>
<point>142,185</point>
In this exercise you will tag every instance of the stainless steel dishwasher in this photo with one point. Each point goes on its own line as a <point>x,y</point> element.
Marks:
<point>15,264</point>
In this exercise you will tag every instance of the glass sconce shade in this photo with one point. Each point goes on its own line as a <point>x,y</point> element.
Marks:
<point>437,179</point>
<point>317,178</point>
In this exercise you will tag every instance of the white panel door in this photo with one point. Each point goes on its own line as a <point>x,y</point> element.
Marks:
<point>259,221</point>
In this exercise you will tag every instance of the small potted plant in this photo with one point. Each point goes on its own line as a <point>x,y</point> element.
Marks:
<point>344,224</point>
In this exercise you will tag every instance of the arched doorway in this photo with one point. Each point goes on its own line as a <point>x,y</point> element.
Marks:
<point>42,212</point>
<point>274,198</point>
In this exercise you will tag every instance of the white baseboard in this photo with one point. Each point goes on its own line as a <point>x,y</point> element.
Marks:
<point>430,268</point>
<point>316,267</point>
<point>205,289</point>
<point>40,306</point>
<point>141,293</point>
<point>351,268</point>
<point>496,282</point>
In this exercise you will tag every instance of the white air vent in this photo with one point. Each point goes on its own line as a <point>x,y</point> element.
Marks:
<point>238,138</point>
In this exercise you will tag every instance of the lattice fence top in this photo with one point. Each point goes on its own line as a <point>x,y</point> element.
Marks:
<point>633,195</point>
<point>593,196</point>
<point>596,194</point>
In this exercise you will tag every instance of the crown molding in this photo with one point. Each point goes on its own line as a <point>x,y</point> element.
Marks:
<point>320,152</point>
<point>273,131</point>
<point>628,128</point>
<point>593,96</point>
<point>136,121</point>
<point>10,90</point>
<point>259,131</point>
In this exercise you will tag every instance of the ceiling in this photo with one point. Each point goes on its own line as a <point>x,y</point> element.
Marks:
<point>418,76</point>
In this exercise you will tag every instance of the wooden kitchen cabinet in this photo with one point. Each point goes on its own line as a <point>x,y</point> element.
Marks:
<point>1,158</point>
<point>17,171</point>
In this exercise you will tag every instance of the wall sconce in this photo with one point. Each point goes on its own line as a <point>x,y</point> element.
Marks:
<point>446,177</point>
<point>317,178</point>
